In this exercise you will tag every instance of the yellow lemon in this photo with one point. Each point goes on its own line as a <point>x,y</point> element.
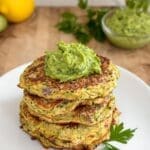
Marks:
<point>17,10</point>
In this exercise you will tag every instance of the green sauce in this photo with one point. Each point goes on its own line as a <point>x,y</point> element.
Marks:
<point>71,61</point>
<point>129,22</point>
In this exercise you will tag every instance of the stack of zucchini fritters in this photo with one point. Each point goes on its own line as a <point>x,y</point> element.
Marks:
<point>68,115</point>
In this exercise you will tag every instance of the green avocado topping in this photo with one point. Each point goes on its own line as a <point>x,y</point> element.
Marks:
<point>71,61</point>
<point>130,22</point>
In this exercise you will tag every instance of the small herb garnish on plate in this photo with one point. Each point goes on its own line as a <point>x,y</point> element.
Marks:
<point>109,147</point>
<point>118,134</point>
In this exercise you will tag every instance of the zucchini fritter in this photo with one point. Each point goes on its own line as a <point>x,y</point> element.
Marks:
<point>62,113</point>
<point>67,135</point>
<point>36,82</point>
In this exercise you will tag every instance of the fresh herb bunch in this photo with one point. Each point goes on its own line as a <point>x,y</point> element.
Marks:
<point>118,134</point>
<point>84,32</point>
<point>94,23</point>
<point>69,24</point>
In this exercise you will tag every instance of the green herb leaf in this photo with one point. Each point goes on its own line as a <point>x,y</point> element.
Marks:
<point>91,13</point>
<point>119,134</point>
<point>68,22</point>
<point>68,15</point>
<point>82,34</point>
<point>108,146</point>
<point>95,24</point>
<point>140,5</point>
<point>83,4</point>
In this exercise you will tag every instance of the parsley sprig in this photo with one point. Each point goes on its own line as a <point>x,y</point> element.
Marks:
<point>69,24</point>
<point>118,134</point>
<point>94,23</point>
<point>83,32</point>
<point>108,146</point>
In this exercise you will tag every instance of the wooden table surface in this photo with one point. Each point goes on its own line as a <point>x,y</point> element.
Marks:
<point>21,43</point>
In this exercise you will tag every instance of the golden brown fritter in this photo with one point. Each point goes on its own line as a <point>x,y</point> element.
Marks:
<point>36,82</point>
<point>67,135</point>
<point>59,106</point>
<point>84,112</point>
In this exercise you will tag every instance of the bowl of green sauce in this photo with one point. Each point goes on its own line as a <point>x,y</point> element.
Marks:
<point>127,28</point>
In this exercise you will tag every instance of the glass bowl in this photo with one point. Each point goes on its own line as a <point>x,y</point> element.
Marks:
<point>122,41</point>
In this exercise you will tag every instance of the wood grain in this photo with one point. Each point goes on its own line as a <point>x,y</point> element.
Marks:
<point>24,42</point>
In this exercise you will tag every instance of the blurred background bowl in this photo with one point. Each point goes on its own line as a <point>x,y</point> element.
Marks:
<point>123,41</point>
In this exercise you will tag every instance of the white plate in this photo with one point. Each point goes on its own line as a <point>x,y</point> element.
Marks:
<point>133,99</point>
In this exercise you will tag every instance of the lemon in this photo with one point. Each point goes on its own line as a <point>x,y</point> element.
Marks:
<point>3,23</point>
<point>17,10</point>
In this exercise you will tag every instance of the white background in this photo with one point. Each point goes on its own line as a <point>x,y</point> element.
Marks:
<point>74,2</point>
